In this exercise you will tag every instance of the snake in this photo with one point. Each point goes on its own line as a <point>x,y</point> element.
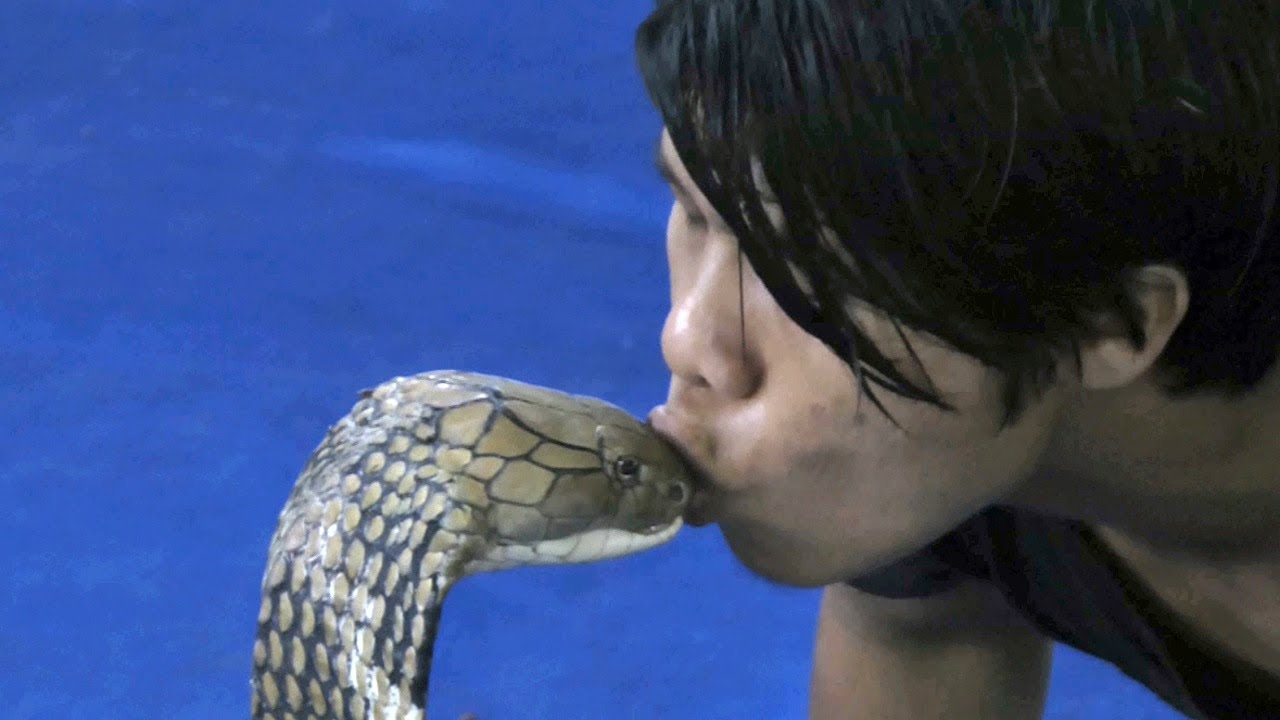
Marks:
<point>428,479</point>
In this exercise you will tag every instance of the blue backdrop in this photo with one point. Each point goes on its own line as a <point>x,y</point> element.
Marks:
<point>218,220</point>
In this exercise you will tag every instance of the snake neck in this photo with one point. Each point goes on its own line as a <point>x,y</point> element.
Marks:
<point>352,656</point>
<point>395,686</point>
<point>349,617</point>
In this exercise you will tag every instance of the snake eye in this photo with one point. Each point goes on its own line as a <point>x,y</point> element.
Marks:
<point>628,469</point>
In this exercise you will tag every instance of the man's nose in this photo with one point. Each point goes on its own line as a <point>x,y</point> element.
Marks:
<point>703,338</point>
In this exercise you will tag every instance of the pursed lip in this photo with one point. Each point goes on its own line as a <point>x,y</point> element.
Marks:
<point>698,512</point>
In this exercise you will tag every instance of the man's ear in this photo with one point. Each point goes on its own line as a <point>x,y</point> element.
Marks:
<point>1111,360</point>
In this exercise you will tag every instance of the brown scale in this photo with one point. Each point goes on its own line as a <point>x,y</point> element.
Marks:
<point>427,479</point>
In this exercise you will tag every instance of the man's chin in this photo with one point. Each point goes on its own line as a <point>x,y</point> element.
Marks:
<point>774,562</point>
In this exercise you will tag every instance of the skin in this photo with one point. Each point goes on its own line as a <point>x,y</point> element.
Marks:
<point>810,486</point>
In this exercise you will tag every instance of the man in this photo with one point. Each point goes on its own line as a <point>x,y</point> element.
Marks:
<point>975,313</point>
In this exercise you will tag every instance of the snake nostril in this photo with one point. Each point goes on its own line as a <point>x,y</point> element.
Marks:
<point>677,493</point>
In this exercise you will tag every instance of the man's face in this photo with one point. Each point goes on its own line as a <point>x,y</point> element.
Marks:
<point>810,484</point>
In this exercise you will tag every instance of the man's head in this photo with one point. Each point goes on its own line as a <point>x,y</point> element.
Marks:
<point>962,213</point>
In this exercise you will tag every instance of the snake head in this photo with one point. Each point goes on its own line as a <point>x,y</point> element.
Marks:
<point>652,480</point>
<point>596,484</point>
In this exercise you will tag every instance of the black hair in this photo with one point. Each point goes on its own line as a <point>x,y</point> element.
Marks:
<point>991,173</point>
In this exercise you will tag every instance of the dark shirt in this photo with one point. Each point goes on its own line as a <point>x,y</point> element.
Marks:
<point>1064,579</point>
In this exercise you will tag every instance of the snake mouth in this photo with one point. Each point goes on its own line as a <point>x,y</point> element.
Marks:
<point>611,543</point>
<point>589,546</point>
<point>666,527</point>
<point>661,532</point>
<point>696,482</point>
<point>696,479</point>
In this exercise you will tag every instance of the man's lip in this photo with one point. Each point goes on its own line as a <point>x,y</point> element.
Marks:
<point>698,512</point>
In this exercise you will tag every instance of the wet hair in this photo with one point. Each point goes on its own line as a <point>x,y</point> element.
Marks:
<point>990,173</point>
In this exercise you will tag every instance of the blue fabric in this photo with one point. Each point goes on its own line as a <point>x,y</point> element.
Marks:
<point>219,221</point>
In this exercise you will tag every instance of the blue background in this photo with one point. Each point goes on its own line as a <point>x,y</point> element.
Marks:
<point>218,220</point>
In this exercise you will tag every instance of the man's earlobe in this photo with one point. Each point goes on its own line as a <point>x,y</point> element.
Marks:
<point>1112,360</point>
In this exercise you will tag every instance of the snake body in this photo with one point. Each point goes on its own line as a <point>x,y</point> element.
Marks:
<point>428,479</point>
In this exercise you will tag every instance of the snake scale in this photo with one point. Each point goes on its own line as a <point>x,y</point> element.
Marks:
<point>428,479</point>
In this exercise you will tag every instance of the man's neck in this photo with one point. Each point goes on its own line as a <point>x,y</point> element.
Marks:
<point>1198,475</point>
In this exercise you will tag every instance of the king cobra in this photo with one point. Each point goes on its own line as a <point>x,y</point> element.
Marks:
<point>426,480</point>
